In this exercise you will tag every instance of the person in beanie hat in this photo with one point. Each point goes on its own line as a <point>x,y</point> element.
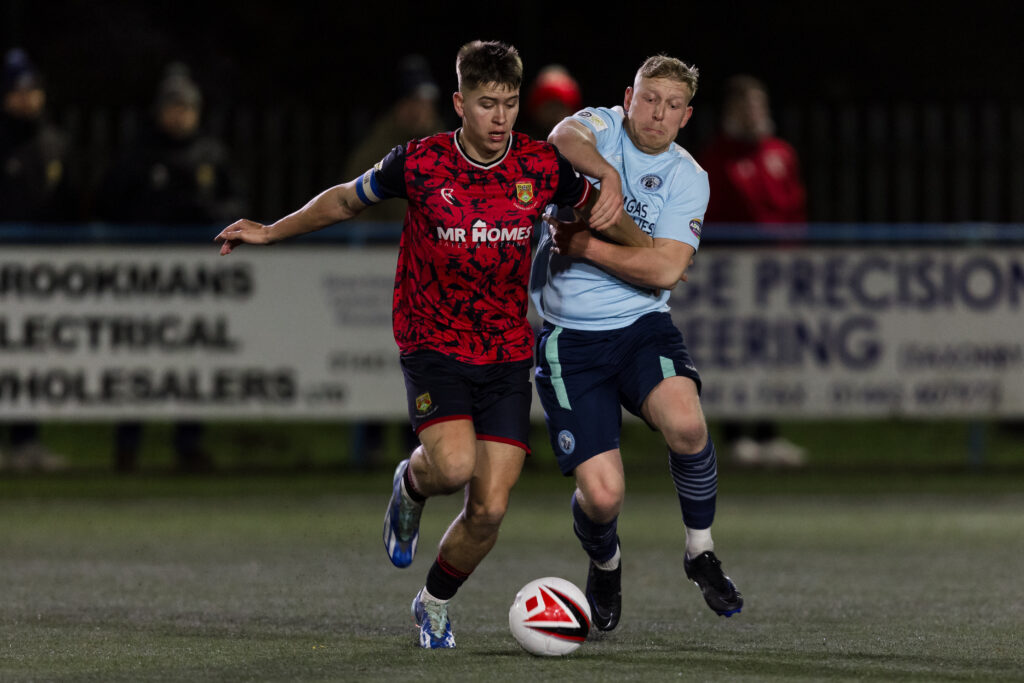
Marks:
<point>413,114</point>
<point>34,188</point>
<point>172,174</point>
<point>35,180</point>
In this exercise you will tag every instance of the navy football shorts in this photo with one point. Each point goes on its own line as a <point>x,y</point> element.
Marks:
<point>496,396</point>
<point>583,377</point>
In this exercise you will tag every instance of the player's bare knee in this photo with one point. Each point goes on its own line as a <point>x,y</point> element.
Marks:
<point>486,516</point>
<point>603,503</point>
<point>686,435</point>
<point>453,474</point>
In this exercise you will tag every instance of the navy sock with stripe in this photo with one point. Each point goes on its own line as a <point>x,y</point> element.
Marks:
<point>696,480</point>
<point>598,540</point>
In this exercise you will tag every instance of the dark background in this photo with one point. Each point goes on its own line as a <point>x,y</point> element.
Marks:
<point>111,51</point>
<point>899,111</point>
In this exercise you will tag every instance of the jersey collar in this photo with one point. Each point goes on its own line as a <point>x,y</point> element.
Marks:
<point>480,164</point>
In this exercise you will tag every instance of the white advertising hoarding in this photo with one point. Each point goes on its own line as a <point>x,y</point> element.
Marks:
<point>298,331</point>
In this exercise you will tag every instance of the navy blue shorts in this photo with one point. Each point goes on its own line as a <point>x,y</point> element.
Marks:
<point>496,396</point>
<point>584,377</point>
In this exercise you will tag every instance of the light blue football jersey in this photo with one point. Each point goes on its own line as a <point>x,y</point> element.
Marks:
<point>666,194</point>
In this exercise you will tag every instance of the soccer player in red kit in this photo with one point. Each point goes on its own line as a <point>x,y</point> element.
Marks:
<point>460,308</point>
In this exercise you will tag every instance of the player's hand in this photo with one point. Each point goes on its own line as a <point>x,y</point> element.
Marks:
<point>241,231</point>
<point>569,238</point>
<point>607,210</point>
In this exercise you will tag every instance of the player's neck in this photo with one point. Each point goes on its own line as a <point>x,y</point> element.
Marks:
<point>478,156</point>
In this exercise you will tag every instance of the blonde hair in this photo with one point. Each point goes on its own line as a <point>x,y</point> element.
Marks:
<point>663,66</point>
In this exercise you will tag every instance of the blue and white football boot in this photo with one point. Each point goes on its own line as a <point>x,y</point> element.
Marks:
<point>402,522</point>
<point>435,627</point>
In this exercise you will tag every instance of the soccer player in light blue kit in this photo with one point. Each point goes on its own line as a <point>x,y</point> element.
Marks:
<point>608,339</point>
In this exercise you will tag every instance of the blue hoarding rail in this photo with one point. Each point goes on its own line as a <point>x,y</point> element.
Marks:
<point>358,233</point>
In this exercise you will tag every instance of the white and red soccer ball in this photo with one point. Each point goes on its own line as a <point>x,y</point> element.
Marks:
<point>549,616</point>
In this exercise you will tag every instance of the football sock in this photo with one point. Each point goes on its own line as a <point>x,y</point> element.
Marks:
<point>444,580</point>
<point>600,541</point>
<point>410,488</point>
<point>426,596</point>
<point>698,541</point>
<point>613,563</point>
<point>696,480</point>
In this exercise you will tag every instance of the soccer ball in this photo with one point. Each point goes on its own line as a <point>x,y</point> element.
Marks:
<point>549,616</point>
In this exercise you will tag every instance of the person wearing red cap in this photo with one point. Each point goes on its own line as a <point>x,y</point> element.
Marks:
<point>553,95</point>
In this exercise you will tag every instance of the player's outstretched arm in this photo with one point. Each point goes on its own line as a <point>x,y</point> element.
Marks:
<point>333,205</point>
<point>578,144</point>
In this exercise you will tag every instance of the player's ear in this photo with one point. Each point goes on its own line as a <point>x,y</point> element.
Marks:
<point>628,99</point>
<point>458,102</point>
<point>686,118</point>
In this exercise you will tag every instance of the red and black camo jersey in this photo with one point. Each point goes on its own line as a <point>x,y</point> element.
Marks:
<point>464,258</point>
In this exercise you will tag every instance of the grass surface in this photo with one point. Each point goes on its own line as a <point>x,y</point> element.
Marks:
<point>875,576</point>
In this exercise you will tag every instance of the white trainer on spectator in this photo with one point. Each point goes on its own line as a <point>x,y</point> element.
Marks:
<point>33,457</point>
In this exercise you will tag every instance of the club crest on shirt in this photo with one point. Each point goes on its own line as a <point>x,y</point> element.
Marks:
<point>424,403</point>
<point>695,225</point>
<point>524,193</point>
<point>651,182</point>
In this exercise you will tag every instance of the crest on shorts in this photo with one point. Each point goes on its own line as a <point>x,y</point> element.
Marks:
<point>524,192</point>
<point>566,441</point>
<point>423,403</point>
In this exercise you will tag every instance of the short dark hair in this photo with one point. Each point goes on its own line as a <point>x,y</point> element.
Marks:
<point>485,62</point>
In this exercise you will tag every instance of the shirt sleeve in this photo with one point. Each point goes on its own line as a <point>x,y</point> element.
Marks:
<point>604,123</point>
<point>573,188</point>
<point>385,180</point>
<point>683,216</point>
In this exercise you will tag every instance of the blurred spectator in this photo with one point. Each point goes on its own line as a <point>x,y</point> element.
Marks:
<point>553,95</point>
<point>755,178</point>
<point>413,114</point>
<point>34,187</point>
<point>36,181</point>
<point>175,173</point>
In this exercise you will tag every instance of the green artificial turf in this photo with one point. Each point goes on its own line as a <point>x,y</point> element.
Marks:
<point>261,578</point>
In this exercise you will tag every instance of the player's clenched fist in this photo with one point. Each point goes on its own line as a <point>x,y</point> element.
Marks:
<point>241,231</point>
<point>568,238</point>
